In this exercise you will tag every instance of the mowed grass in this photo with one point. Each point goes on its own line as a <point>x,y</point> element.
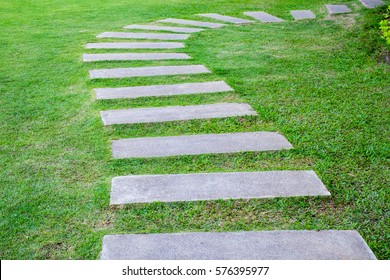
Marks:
<point>313,81</point>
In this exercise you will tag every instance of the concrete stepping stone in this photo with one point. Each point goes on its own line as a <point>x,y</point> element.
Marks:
<point>198,144</point>
<point>131,35</point>
<point>249,245</point>
<point>162,90</point>
<point>164,28</point>
<point>176,113</point>
<point>227,18</point>
<point>211,186</point>
<point>338,9</point>
<point>147,71</point>
<point>302,14</point>
<point>135,45</point>
<point>133,56</point>
<point>193,22</point>
<point>263,17</point>
<point>371,4</point>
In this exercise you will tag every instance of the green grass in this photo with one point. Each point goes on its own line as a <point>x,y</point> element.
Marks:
<point>317,82</point>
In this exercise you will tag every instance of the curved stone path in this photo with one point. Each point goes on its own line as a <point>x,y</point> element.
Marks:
<point>301,244</point>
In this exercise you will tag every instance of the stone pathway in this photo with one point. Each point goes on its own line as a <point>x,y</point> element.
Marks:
<point>302,14</point>
<point>164,28</point>
<point>263,17</point>
<point>147,71</point>
<point>135,45</point>
<point>338,9</point>
<point>251,245</point>
<point>199,144</point>
<point>371,4</point>
<point>133,56</point>
<point>176,113</point>
<point>208,186</point>
<point>162,90</point>
<point>156,36</point>
<point>301,244</point>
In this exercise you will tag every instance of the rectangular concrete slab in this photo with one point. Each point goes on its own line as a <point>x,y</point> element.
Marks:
<point>176,113</point>
<point>338,9</point>
<point>147,71</point>
<point>192,22</point>
<point>198,144</point>
<point>302,14</point>
<point>133,56</point>
<point>263,17</point>
<point>250,245</point>
<point>211,186</point>
<point>135,45</point>
<point>229,19</point>
<point>371,4</point>
<point>131,35</point>
<point>162,90</point>
<point>164,28</point>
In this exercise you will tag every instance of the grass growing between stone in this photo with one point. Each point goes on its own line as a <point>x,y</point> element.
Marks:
<point>313,81</point>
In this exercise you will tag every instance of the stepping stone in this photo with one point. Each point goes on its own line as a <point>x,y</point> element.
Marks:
<point>157,36</point>
<point>198,144</point>
<point>176,113</point>
<point>338,9</point>
<point>302,14</point>
<point>162,90</point>
<point>249,245</point>
<point>227,18</point>
<point>371,4</point>
<point>164,28</point>
<point>193,22</point>
<point>212,186</point>
<point>263,17</point>
<point>147,71</point>
<point>133,56</point>
<point>135,45</point>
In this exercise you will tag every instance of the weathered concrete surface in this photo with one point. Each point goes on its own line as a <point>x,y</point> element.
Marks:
<point>263,17</point>
<point>133,56</point>
<point>250,245</point>
<point>147,71</point>
<point>371,4</point>
<point>135,45</point>
<point>211,186</point>
<point>193,22</point>
<point>176,113</point>
<point>164,28</point>
<point>229,19</point>
<point>199,144</point>
<point>162,90</point>
<point>338,9</point>
<point>132,35</point>
<point>302,14</point>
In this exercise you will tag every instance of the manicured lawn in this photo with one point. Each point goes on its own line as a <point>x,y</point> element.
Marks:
<point>315,82</point>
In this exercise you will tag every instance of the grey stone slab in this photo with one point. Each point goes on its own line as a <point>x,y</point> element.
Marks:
<point>234,20</point>
<point>250,245</point>
<point>338,9</point>
<point>147,71</point>
<point>162,90</point>
<point>135,45</point>
<point>164,28</point>
<point>198,144</point>
<point>131,35</point>
<point>371,4</point>
<point>302,14</point>
<point>133,56</point>
<point>176,113</point>
<point>263,17</point>
<point>211,186</point>
<point>192,22</point>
